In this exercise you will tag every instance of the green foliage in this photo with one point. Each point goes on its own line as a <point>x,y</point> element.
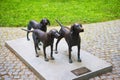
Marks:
<point>20,12</point>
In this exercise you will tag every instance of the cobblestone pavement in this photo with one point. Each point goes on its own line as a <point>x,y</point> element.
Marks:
<point>100,39</point>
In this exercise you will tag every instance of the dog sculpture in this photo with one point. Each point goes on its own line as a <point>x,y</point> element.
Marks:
<point>35,25</point>
<point>46,38</point>
<point>71,36</point>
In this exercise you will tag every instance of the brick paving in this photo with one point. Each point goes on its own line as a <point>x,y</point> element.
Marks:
<point>100,39</point>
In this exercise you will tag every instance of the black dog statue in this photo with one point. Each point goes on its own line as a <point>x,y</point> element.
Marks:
<point>71,36</point>
<point>35,25</point>
<point>47,38</point>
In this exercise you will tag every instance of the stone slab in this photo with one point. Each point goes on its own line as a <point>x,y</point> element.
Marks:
<point>60,68</point>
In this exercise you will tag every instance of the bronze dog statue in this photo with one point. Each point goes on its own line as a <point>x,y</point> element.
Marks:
<point>47,38</point>
<point>71,36</point>
<point>35,25</point>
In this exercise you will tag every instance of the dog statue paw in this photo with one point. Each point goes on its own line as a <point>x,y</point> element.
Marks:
<point>70,61</point>
<point>37,55</point>
<point>56,52</point>
<point>52,58</point>
<point>28,39</point>
<point>79,60</point>
<point>46,59</point>
<point>38,48</point>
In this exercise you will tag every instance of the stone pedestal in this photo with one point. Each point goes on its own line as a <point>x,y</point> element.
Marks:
<point>60,68</point>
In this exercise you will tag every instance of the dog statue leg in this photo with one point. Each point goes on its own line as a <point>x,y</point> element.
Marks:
<point>37,40</point>
<point>44,49</point>
<point>52,52</point>
<point>28,35</point>
<point>70,60</point>
<point>35,45</point>
<point>37,55</point>
<point>79,60</point>
<point>28,28</point>
<point>57,44</point>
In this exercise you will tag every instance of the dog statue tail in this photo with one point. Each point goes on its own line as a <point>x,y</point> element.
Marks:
<point>59,23</point>
<point>28,30</point>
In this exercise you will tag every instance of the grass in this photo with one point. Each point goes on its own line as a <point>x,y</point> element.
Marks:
<point>20,12</point>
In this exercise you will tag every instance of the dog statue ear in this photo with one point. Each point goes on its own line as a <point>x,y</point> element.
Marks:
<point>72,29</point>
<point>41,21</point>
<point>48,22</point>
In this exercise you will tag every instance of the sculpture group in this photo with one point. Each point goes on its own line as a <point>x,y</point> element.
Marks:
<point>39,34</point>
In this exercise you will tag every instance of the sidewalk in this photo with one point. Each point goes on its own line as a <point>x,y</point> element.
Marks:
<point>100,39</point>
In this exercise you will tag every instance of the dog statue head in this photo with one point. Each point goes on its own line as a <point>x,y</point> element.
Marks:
<point>76,28</point>
<point>54,33</point>
<point>45,22</point>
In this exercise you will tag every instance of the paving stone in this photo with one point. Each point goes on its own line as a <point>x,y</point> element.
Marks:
<point>24,76</point>
<point>31,76</point>
<point>3,73</point>
<point>1,66</point>
<point>103,77</point>
<point>27,72</point>
<point>16,76</point>
<point>6,77</point>
<point>110,77</point>
<point>15,73</point>
<point>117,78</point>
<point>92,79</point>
